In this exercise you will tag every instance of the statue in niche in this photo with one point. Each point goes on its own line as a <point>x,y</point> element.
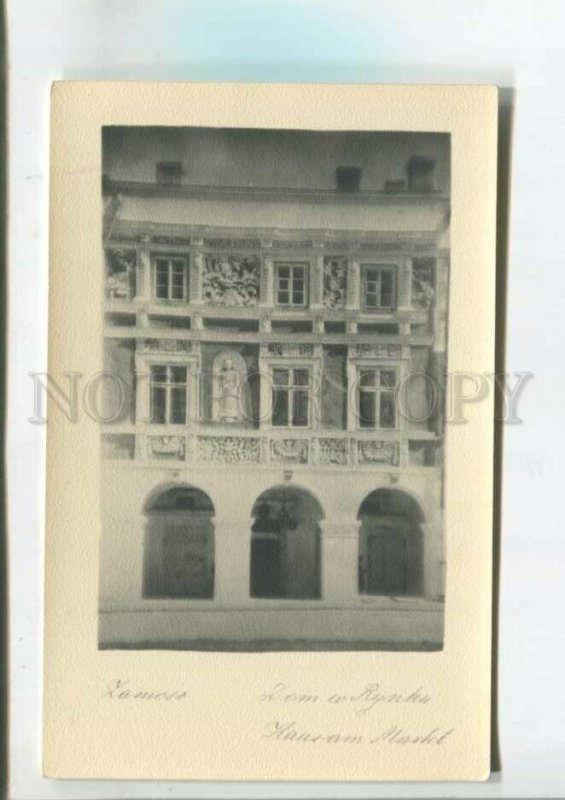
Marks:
<point>231,401</point>
<point>229,393</point>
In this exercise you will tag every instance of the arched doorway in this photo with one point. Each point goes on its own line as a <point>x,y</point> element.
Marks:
<point>179,544</point>
<point>286,544</point>
<point>390,544</point>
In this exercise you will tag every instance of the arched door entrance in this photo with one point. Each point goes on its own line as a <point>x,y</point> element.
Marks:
<point>390,544</point>
<point>179,545</point>
<point>286,544</point>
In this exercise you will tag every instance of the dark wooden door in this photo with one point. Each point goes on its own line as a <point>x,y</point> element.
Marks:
<point>388,561</point>
<point>266,567</point>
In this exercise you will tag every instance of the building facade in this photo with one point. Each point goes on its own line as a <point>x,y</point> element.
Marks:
<point>272,445</point>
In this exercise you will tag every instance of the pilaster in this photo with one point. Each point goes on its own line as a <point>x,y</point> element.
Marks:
<point>340,561</point>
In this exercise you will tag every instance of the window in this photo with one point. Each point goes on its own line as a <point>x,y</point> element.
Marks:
<point>291,284</point>
<point>379,287</point>
<point>168,395</point>
<point>376,389</point>
<point>291,398</point>
<point>170,278</point>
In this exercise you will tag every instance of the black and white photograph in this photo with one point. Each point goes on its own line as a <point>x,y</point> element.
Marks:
<point>272,429</point>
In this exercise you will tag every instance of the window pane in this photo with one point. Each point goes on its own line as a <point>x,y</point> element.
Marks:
<point>298,298</point>
<point>284,272</point>
<point>387,289</point>
<point>283,298</point>
<point>158,404</point>
<point>284,284</point>
<point>367,378</point>
<point>280,377</point>
<point>388,413</point>
<point>158,374</point>
<point>298,273</point>
<point>178,374</point>
<point>367,409</point>
<point>300,409</point>
<point>280,407</point>
<point>371,300</point>
<point>388,377</point>
<point>178,406</point>
<point>301,377</point>
<point>177,293</point>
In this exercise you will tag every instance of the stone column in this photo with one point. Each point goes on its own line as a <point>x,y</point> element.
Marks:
<point>433,561</point>
<point>232,560</point>
<point>317,281</point>
<point>196,275</point>
<point>340,560</point>
<point>267,279</point>
<point>353,298</point>
<point>143,275</point>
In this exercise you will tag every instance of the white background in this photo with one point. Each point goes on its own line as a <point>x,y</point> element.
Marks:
<point>516,44</point>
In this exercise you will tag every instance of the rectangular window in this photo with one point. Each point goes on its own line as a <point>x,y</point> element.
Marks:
<point>170,277</point>
<point>291,398</point>
<point>376,391</point>
<point>379,288</point>
<point>168,395</point>
<point>292,288</point>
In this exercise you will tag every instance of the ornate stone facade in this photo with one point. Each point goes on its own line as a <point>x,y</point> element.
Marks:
<point>166,447</point>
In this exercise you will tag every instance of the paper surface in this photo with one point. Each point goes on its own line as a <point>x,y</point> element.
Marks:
<point>265,716</point>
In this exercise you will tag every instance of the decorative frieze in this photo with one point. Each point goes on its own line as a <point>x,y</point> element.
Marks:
<point>377,350</point>
<point>164,346</point>
<point>166,447</point>
<point>289,451</point>
<point>230,280</point>
<point>228,449</point>
<point>227,244</point>
<point>374,452</point>
<point>290,244</point>
<point>335,281</point>
<point>332,451</point>
<point>290,350</point>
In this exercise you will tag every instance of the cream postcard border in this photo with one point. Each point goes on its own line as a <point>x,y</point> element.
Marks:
<point>216,733</point>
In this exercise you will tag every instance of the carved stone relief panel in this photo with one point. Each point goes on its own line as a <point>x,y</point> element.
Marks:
<point>289,451</point>
<point>335,281</point>
<point>372,452</point>
<point>228,449</point>
<point>333,451</point>
<point>230,280</point>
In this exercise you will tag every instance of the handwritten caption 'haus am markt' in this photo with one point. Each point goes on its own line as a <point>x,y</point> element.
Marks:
<point>363,703</point>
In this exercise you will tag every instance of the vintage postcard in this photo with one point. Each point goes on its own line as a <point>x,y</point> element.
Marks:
<point>269,521</point>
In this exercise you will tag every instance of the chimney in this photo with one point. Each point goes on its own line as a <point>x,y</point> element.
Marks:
<point>348,179</point>
<point>420,170</point>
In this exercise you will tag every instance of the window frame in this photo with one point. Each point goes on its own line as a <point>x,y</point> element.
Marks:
<point>291,266</point>
<point>377,390</point>
<point>168,385</point>
<point>380,268</point>
<point>170,258</point>
<point>291,389</point>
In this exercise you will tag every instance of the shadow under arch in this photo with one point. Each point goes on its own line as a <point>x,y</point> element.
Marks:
<point>179,548</point>
<point>391,547</point>
<point>286,544</point>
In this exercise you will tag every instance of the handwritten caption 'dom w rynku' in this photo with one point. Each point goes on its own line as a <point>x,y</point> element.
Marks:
<point>363,702</point>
